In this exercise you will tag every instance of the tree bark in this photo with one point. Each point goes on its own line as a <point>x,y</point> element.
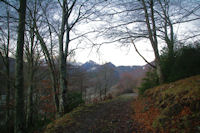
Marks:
<point>153,37</point>
<point>7,64</point>
<point>62,61</point>
<point>19,83</point>
<point>30,78</point>
<point>30,99</point>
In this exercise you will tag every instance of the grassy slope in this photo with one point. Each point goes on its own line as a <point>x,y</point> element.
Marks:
<point>105,117</point>
<point>173,107</point>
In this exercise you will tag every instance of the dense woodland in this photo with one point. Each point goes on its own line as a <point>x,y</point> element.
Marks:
<point>39,79</point>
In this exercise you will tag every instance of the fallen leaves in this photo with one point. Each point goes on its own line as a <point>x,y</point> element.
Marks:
<point>144,115</point>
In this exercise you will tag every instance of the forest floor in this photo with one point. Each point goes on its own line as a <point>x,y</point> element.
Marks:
<point>111,116</point>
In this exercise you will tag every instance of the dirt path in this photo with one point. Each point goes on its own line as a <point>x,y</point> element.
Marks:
<point>113,116</point>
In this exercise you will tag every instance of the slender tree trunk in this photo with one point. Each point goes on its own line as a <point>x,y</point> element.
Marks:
<point>155,44</point>
<point>170,42</point>
<point>100,93</point>
<point>19,83</point>
<point>169,39</point>
<point>81,86</point>
<point>8,74</point>
<point>8,115</point>
<point>51,68</point>
<point>30,98</point>
<point>55,90</point>
<point>30,76</point>
<point>85,94</point>
<point>62,62</point>
<point>153,38</point>
<point>63,85</point>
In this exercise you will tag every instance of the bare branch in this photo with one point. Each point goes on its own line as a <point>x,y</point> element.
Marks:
<point>7,3</point>
<point>141,55</point>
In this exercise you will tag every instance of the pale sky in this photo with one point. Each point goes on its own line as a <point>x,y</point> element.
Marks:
<point>117,55</point>
<point>123,56</point>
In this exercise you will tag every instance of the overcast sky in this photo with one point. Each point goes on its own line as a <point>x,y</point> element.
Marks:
<point>117,55</point>
<point>127,56</point>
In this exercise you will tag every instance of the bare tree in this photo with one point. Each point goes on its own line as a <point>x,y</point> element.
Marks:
<point>60,28</point>
<point>127,22</point>
<point>152,34</point>
<point>48,54</point>
<point>73,12</point>
<point>19,79</point>
<point>66,27</point>
<point>32,54</point>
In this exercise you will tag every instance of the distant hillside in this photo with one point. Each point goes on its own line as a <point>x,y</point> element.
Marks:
<point>92,66</point>
<point>170,108</point>
<point>121,79</point>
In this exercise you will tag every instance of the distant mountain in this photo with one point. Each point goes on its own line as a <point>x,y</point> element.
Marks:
<point>109,64</point>
<point>90,66</point>
<point>137,73</point>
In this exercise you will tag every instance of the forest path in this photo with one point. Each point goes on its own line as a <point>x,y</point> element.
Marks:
<point>112,116</point>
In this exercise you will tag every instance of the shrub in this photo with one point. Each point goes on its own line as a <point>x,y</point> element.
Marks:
<point>149,81</point>
<point>186,62</point>
<point>74,99</point>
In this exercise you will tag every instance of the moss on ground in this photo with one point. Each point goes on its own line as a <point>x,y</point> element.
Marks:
<point>178,104</point>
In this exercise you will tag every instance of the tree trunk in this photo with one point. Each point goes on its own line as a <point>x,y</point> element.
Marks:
<point>81,86</point>
<point>30,77</point>
<point>153,37</point>
<point>19,83</point>
<point>55,90</point>
<point>63,85</point>
<point>169,39</point>
<point>170,42</point>
<point>7,63</point>
<point>30,99</point>
<point>51,68</point>
<point>62,63</point>
<point>85,93</point>
<point>100,93</point>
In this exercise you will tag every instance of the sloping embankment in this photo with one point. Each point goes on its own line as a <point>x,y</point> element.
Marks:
<point>173,107</point>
